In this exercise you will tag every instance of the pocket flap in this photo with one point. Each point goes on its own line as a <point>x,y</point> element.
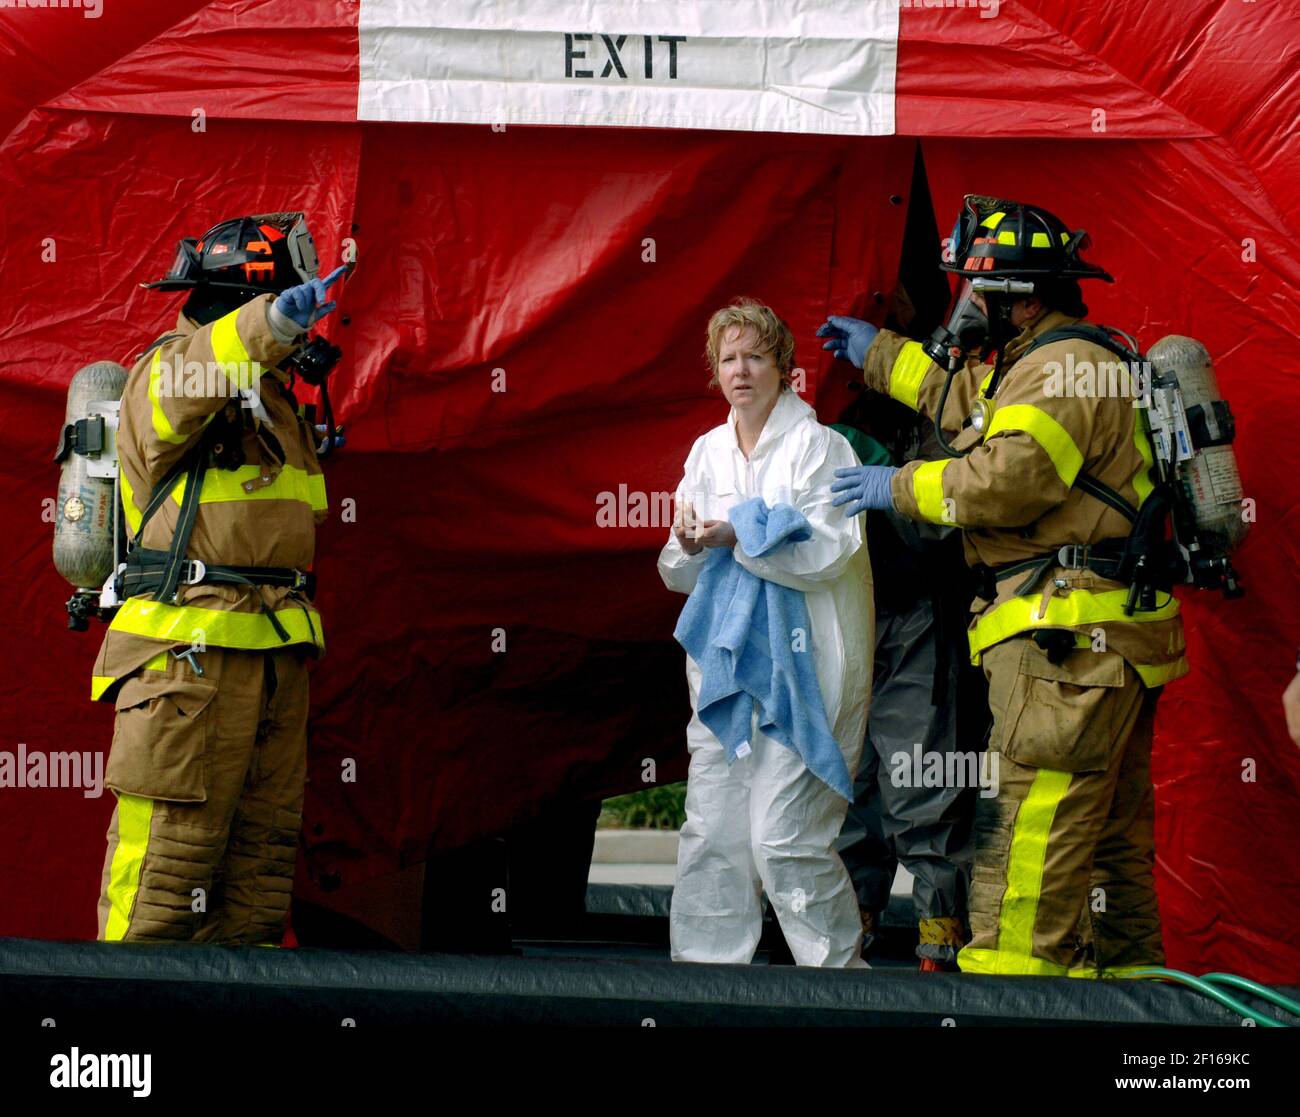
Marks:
<point>159,748</point>
<point>1081,667</point>
<point>191,696</point>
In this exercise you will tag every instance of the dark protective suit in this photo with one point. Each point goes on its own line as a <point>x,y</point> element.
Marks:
<point>925,694</point>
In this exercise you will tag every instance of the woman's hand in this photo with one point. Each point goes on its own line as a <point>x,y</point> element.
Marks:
<point>717,533</point>
<point>686,528</point>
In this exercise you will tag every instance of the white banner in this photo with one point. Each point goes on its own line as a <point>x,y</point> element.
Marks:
<point>751,65</point>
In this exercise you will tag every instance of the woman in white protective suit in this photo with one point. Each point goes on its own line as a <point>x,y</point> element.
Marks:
<point>765,823</point>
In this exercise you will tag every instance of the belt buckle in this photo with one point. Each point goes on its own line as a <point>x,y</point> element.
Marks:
<point>303,580</point>
<point>1073,556</point>
<point>193,571</point>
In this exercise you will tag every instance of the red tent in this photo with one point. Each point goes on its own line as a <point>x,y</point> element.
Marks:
<point>1169,131</point>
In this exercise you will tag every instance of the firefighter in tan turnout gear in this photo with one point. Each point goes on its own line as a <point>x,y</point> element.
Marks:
<point>1050,486</point>
<point>205,659</point>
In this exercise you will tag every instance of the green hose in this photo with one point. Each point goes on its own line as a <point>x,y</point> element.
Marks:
<point>1261,991</point>
<point>1207,985</point>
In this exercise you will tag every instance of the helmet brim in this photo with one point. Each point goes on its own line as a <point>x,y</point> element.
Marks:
<point>1090,272</point>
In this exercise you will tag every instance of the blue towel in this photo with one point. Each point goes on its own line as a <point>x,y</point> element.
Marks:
<point>739,629</point>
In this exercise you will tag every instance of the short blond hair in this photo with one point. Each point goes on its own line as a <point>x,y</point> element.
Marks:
<point>774,336</point>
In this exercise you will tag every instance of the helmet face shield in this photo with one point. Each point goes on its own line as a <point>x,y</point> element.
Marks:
<point>302,250</point>
<point>291,228</point>
<point>963,229</point>
<point>185,271</point>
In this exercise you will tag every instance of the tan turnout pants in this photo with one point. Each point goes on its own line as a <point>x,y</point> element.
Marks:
<point>1062,881</point>
<point>209,772</point>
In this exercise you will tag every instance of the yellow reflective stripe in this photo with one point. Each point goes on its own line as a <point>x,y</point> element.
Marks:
<point>1078,607</point>
<point>1046,431</point>
<point>133,514</point>
<point>1040,240</point>
<point>181,624</point>
<point>1025,864</point>
<point>100,683</point>
<point>993,220</point>
<point>1006,237</point>
<point>134,817</point>
<point>927,490</point>
<point>228,351</point>
<point>225,485</point>
<point>162,426</point>
<point>316,492</point>
<point>985,961</point>
<point>908,373</point>
<point>1142,480</point>
<point>1158,674</point>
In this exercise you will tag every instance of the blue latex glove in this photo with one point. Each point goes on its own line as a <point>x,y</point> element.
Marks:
<point>306,303</point>
<point>867,486</point>
<point>850,338</point>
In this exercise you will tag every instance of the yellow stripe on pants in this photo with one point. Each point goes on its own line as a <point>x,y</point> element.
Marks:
<point>134,819</point>
<point>1025,860</point>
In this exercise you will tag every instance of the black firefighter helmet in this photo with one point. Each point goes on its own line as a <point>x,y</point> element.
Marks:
<point>995,237</point>
<point>266,252</point>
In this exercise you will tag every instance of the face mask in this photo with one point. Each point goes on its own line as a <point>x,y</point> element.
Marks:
<point>968,325</point>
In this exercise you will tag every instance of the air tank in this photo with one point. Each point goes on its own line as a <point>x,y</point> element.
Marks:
<point>1210,477</point>
<point>84,520</point>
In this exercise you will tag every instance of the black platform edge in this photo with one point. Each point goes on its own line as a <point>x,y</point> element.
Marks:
<point>100,984</point>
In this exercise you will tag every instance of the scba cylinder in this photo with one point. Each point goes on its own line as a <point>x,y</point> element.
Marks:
<point>84,522</point>
<point>1210,477</point>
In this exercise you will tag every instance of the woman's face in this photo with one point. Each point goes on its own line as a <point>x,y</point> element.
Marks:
<point>750,378</point>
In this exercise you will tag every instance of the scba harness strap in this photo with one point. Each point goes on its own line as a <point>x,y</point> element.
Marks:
<point>1144,559</point>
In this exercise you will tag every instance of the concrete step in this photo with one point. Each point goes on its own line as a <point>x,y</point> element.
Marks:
<point>635,847</point>
<point>650,857</point>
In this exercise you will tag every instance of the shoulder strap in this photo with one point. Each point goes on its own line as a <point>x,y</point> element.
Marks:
<point>1098,335</point>
<point>1103,492</point>
<point>158,344</point>
<point>195,452</point>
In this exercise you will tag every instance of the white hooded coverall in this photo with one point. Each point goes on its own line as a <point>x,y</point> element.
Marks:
<point>766,824</point>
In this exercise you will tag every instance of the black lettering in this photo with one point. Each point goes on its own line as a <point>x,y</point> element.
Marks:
<point>614,60</point>
<point>649,56</point>
<point>570,54</point>
<point>672,41</point>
